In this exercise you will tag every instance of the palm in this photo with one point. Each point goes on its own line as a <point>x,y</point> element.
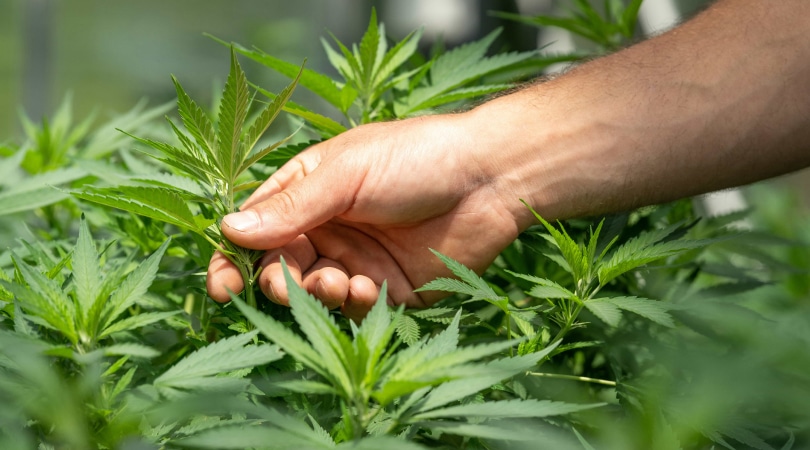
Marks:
<point>357,215</point>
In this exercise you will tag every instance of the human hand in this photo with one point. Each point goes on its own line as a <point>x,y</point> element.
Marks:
<point>365,207</point>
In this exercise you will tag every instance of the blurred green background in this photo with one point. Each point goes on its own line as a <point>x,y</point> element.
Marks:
<point>108,55</point>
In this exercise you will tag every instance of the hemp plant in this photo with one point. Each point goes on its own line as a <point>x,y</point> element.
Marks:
<point>213,156</point>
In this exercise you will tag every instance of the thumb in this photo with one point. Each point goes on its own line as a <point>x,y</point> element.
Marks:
<point>301,206</point>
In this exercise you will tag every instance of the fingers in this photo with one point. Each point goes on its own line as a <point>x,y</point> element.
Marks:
<point>305,204</point>
<point>222,277</point>
<point>363,294</point>
<point>299,255</point>
<point>328,281</point>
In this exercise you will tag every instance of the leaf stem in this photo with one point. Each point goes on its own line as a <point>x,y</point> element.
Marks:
<point>572,377</point>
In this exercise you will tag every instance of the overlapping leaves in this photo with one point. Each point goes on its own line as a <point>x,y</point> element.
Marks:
<point>426,384</point>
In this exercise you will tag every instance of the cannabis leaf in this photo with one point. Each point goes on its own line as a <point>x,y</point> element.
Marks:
<point>91,308</point>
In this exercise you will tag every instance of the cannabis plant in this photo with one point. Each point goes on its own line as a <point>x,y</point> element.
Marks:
<point>382,81</point>
<point>213,157</point>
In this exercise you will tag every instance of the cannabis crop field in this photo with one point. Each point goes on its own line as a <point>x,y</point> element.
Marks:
<point>650,329</point>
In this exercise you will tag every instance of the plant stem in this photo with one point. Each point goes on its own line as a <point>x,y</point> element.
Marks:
<point>572,377</point>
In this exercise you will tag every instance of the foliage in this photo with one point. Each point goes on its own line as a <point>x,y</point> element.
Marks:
<point>646,329</point>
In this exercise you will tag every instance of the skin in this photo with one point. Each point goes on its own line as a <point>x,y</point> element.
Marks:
<point>720,101</point>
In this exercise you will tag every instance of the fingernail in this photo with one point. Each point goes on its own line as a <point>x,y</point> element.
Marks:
<point>244,222</point>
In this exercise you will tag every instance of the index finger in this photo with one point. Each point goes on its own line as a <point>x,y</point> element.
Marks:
<point>295,169</point>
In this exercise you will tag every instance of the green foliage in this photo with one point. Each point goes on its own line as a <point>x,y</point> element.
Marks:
<point>647,329</point>
<point>398,391</point>
<point>610,30</point>
<point>215,156</point>
<point>381,82</point>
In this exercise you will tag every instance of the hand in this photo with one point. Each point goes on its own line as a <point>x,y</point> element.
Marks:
<point>365,207</point>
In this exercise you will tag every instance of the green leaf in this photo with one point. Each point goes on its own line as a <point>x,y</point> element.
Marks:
<point>407,329</point>
<point>233,110</point>
<point>457,67</point>
<point>158,203</point>
<point>500,430</point>
<point>471,284</point>
<point>86,275</point>
<point>136,322</point>
<point>198,124</point>
<point>280,334</point>
<point>45,299</point>
<point>306,387</point>
<point>263,121</point>
<point>323,86</point>
<point>242,437</point>
<point>606,311</point>
<point>130,349</point>
<point>507,408</point>
<point>643,249</point>
<point>226,355</point>
<point>572,252</point>
<point>398,55</point>
<point>644,307</point>
<point>331,344</point>
<point>134,286</point>
<point>37,191</point>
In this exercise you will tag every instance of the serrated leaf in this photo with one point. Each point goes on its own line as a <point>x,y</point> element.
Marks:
<point>649,309</point>
<point>459,66</point>
<point>280,334</point>
<point>155,202</point>
<point>331,344</point>
<point>86,274</point>
<point>507,409</point>
<point>197,123</point>
<point>306,387</point>
<point>242,437</point>
<point>45,299</point>
<point>134,286</point>
<point>605,311</point>
<point>397,56</point>
<point>263,121</point>
<point>130,349</point>
<point>408,329</point>
<point>38,190</point>
<point>226,355</point>
<point>458,95</point>
<point>136,322</point>
<point>500,430</point>
<point>233,109</point>
<point>323,86</point>
<point>472,285</point>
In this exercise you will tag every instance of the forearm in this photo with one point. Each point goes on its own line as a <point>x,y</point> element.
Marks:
<point>722,101</point>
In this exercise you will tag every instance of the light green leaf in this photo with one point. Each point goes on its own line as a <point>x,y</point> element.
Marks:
<point>134,286</point>
<point>136,322</point>
<point>36,191</point>
<point>45,299</point>
<point>473,285</point>
<point>323,86</point>
<point>226,355</point>
<point>264,119</point>
<point>198,124</point>
<point>155,202</point>
<point>407,329</point>
<point>606,312</point>
<point>331,344</point>
<point>86,275</point>
<point>644,307</point>
<point>282,335</point>
<point>507,408</point>
<point>130,349</point>
<point>233,110</point>
<point>249,436</point>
